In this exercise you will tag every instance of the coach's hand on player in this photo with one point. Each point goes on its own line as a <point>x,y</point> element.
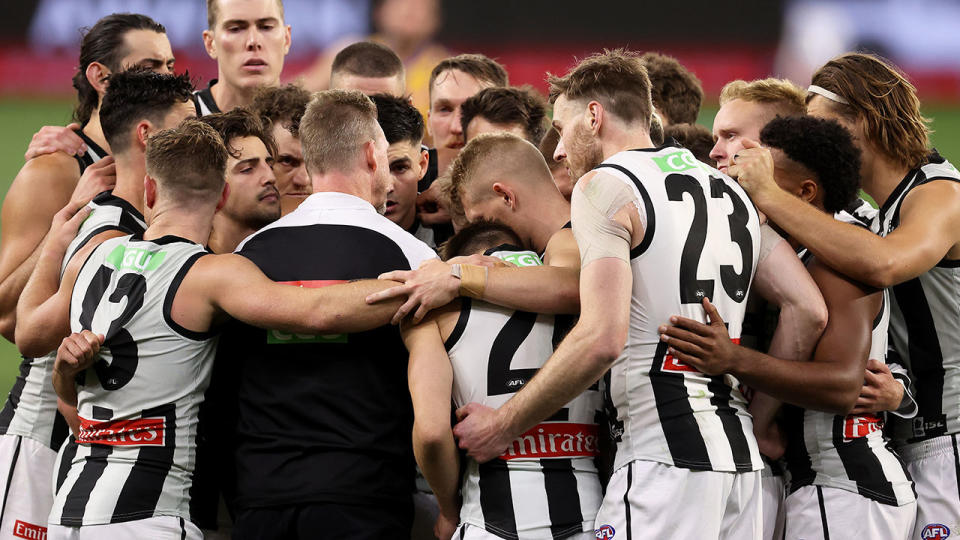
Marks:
<point>753,168</point>
<point>52,139</point>
<point>706,347</point>
<point>480,432</point>
<point>880,391</point>
<point>426,288</point>
<point>430,210</point>
<point>97,178</point>
<point>77,352</point>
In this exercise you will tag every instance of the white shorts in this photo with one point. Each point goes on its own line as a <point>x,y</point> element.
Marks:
<point>26,500</point>
<point>155,528</point>
<point>470,532</point>
<point>773,492</point>
<point>934,466</point>
<point>658,501</point>
<point>826,512</point>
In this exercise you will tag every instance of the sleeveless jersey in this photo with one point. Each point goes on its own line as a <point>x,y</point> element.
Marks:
<point>138,403</point>
<point>848,452</point>
<point>545,485</point>
<point>203,101</point>
<point>93,154</point>
<point>701,239</point>
<point>925,325</point>
<point>31,408</point>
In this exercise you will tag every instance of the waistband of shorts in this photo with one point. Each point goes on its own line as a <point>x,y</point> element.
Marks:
<point>944,444</point>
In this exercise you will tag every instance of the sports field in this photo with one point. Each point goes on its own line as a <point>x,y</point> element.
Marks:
<point>22,117</point>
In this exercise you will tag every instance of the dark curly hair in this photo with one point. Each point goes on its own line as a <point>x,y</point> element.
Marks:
<point>284,104</point>
<point>240,122</point>
<point>138,94</point>
<point>104,42</point>
<point>399,120</point>
<point>823,147</point>
<point>693,137</point>
<point>510,105</point>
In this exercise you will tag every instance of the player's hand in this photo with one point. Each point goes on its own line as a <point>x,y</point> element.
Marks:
<point>445,526</point>
<point>77,352</point>
<point>770,440</point>
<point>880,391</point>
<point>753,169</point>
<point>480,433</point>
<point>706,347</point>
<point>97,178</point>
<point>479,260</point>
<point>430,210</point>
<point>64,228</point>
<point>429,287</point>
<point>52,139</point>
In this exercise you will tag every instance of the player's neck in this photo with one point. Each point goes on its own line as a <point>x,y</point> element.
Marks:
<point>229,97</point>
<point>882,177</point>
<point>338,182</point>
<point>93,130</point>
<point>130,173</point>
<point>185,221</point>
<point>617,141</point>
<point>555,213</point>
<point>227,234</point>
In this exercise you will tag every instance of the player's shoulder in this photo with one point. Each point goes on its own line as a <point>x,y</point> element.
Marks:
<point>937,167</point>
<point>49,171</point>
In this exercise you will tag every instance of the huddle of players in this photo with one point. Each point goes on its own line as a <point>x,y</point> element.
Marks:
<point>674,402</point>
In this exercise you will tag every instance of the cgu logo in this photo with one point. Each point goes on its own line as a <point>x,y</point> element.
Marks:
<point>677,161</point>
<point>527,258</point>
<point>605,531</point>
<point>935,531</point>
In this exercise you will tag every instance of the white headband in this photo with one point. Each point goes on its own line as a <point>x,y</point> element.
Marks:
<point>827,94</point>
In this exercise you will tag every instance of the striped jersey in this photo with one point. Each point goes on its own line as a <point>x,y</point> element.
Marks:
<point>701,239</point>
<point>925,325</point>
<point>848,452</point>
<point>138,403</point>
<point>324,417</point>
<point>545,485</point>
<point>31,407</point>
<point>93,154</point>
<point>203,100</point>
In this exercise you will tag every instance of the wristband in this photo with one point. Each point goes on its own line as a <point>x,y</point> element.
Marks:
<point>473,280</point>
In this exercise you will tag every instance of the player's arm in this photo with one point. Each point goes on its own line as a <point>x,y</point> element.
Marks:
<point>430,377</point>
<point>604,229</point>
<point>43,313</point>
<point>76,353</point>
<point>52,139</point>
<point>42,188</point>
<point>830,383</point>
<point>231,284</point>
<point>929,226</point>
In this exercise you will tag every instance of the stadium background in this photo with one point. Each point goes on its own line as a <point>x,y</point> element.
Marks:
<point>719,42</point>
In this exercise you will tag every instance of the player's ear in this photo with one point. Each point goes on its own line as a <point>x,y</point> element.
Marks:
<point>370,154</point>
<point>506,193</point>
<point>594,116</point>
<point>209,44</point>
<point>149,191</point>
<point>224,195</point>
<point>97,74</point>
<point>424,163</point>
<point>286,39</point>
<point>808,190</point>
<point>144,129</point>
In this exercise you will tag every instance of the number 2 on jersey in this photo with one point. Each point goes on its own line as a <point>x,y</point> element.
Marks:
<point>693,290</point>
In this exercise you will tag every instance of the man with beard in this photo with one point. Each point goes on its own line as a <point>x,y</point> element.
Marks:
<point>280,109</point>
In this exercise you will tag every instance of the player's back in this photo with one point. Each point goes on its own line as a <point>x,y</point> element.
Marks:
<point>138,403</point>
<point>547,479</point>
<point>701,240</point>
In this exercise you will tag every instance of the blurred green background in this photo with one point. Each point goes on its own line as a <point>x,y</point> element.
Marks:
<point>24,116</point>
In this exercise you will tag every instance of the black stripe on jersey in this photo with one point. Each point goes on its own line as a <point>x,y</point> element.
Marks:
<point>680,429</point>
<point>879,317</point>
<point>732,427</point>
<point>60,431</point>
<point>205,97</point>
<point>496,498</point>
<point>13,467</point>
<point>143,486</point>
<point>862,466</point>
<point>956,462</point>
<point>626,501</point>
<point>647,205</point>
<point>823,514</point>
<point>798,460</point>
<point>895,195</point>
<point>76,502</point>
<point>454,336</point>
<point>183,530</point>
<point>66,461</point>
<point>172,294</point>
<point>13,399</point>
<point>563,497</point>
<point>87,158</point>
<point>926,357</point>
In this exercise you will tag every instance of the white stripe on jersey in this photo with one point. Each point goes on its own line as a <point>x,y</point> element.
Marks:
<point>496,352</point>
<point>702,239</point>
<point>138,404</point>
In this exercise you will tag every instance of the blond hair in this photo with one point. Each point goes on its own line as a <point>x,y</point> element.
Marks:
<point>334,128</point>
<point>188,162</point>
<point>616,79</point>
<point>786,98</point>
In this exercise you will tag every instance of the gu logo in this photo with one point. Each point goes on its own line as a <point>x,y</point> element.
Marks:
<point>933,531</point>
<point>605,531</point>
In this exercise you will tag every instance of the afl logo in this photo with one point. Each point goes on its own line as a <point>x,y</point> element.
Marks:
<point>515,384</point>
<point>606,531</point>
<point>933,531</point>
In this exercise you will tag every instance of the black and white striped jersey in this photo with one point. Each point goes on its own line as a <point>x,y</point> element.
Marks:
<point>701,239</point>
<point>848,452</point>
<point>204,102</point>
<point>31,407</point>
<point>138,403</point>
<point>545,485</point>
<point>925,325</point>
<point>93,154</point>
